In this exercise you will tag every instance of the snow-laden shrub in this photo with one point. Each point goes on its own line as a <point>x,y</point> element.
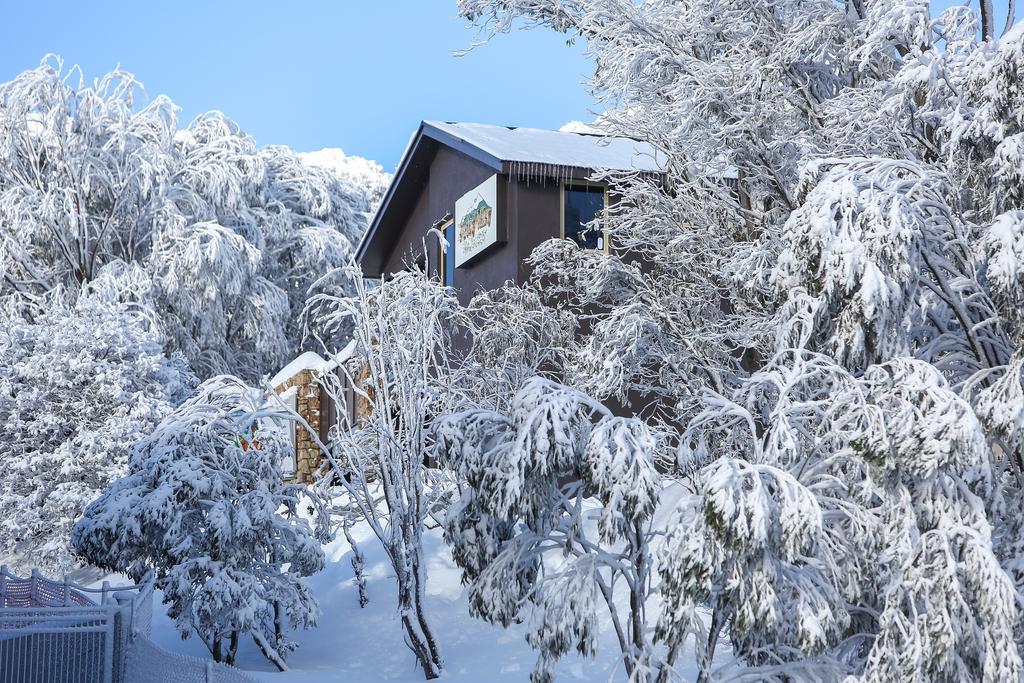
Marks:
<point>947,609</point>
<point>78,386</point>
<point>858,509</point>
<point>533,547</point>
<point>203,505</point>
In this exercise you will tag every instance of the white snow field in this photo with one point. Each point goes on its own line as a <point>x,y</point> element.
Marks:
<point>353,645</point>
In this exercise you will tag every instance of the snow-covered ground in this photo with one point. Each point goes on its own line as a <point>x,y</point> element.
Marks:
<point>354,645</point>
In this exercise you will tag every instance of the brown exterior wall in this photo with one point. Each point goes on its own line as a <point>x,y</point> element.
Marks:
<point>538,218</point>
<point>531,216</point>
<point>451,175</point>
<point>532,209</point>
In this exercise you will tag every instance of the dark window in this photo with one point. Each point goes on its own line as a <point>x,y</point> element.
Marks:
<point>582,206</point>
<point>449,258</point>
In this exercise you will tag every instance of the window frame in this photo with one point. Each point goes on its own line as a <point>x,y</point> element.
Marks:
<point>569,184</point>
<point>443,255</point>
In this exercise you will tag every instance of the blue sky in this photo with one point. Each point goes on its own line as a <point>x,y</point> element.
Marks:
<point>356,74</point>
<point>309,74</point>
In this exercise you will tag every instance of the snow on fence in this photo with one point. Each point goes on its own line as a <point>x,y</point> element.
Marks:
<point>53,632</point>
<point>148,663</point>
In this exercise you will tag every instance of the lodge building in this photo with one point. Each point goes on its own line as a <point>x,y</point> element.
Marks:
<point>496,193</point>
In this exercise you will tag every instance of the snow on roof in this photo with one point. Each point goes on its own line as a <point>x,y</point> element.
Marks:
<point>310,360</point>
<point>557,148</point>
<point>313,361</point>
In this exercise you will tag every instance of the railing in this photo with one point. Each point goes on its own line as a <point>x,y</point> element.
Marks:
<point>52,632</point>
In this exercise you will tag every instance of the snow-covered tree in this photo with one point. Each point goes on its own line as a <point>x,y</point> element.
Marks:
<point>78,386</point>
<point>556,523</point>
<point>819,301</point>
<point>356,171</point>
<point>378,463</point>
<point>514,337</point>
<point>228,237</point>
<point>849,532</point>
<point>204,506</point>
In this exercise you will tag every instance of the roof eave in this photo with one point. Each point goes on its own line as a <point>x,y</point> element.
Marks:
<point>574,172</point>
<point>403,164</point>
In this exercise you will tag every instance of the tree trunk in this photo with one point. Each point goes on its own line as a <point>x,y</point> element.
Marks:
<point>421,617</point>
<point>417,631</point>
<point>358,566</point>
<point>269,651</point>
<point>232,648</point>
<point>988,19</point>
<point>419,648</point>
<point>716,626</point>
<point>278,625</point>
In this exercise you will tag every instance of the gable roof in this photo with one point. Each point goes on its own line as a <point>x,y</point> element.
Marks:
<point>520,151</point>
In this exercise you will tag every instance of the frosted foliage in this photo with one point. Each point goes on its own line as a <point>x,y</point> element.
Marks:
<point>745,546</point>
<point>1001,405</point>
<point>1009,165</point>
<point>949,608</point>
<point>819,304</point>
<point>758,506</point>
<point>855,242</point>
<point>514,332</point>
<point>1004,249</point>
<point>229,237</point>
<point>78,386</point>
<point>617,464</point>
<point>399,373</point>
<point>903,390</point>
<point>356,171</point>
<point>765,543</point>
<point>882,487</point>
<point>529,542</point>
<point>203,504</point>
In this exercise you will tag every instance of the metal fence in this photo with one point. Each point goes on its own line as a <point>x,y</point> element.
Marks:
<point>74,645</point>
<point>62,632</point>
<point>53,631</point>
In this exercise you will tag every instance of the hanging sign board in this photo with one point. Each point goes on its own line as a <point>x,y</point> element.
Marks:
<point>476,221</point>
